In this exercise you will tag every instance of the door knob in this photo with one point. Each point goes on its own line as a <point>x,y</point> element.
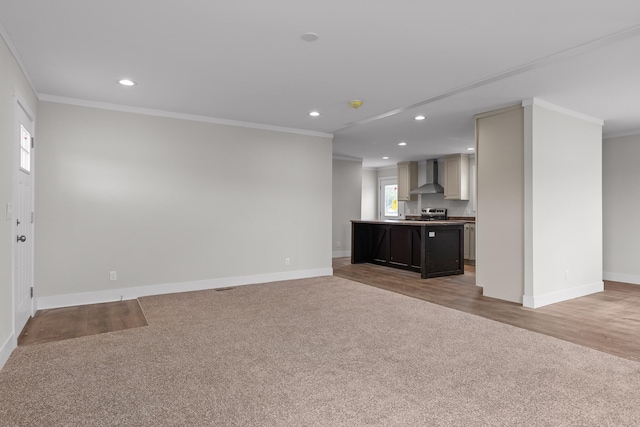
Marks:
<point>22,238</point>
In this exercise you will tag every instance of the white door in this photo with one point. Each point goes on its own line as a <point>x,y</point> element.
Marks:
<point>389,208</point>
<point>23,220</point>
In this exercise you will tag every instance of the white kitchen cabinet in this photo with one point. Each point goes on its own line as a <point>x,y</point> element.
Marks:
<point>466,241</point>
<point>456,177</point>
<point>470,241</point>
<point>407,181</point>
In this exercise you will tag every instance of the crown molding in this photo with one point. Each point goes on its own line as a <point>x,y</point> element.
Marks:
<point>549,106</point>
<point>633,132</point>
<point>7,40</point>
<point>348,158</point>
<point>172,115</point>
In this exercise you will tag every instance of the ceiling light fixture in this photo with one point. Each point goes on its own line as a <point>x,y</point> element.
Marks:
<point>314,114</point>
<point>385,158</point>
<point>420,117</point>
<point>355,103</point>
<point>127,82</point>
<point>402,143</point>
<point>470,149</point>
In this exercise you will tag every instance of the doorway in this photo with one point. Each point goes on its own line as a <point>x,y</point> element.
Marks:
<point>22,218</point>
<point>388,205</point>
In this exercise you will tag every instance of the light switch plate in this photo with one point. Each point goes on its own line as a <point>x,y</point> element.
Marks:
<point>9,210</point>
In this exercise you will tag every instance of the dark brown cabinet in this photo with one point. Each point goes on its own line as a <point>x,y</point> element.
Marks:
<point>445,249</point>
<point>433,249</point>
<point>380,249</point>
<point>404,247</point>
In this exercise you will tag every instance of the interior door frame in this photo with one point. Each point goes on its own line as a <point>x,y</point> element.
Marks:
<point>381,183</point>
<point>21,105</point>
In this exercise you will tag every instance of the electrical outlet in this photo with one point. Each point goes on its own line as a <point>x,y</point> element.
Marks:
<point>338,244</point>
<point>287,261</point>
<point>113,276</point>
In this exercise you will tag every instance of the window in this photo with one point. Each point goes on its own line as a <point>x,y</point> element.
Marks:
<point>25,149</point>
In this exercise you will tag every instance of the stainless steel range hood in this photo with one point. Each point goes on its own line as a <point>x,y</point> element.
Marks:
<point>432,186</point>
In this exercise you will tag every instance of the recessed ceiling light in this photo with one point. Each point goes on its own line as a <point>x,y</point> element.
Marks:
<point>310,37</point>
<point>402,143</point>
<point>385,158</point>
<point>420,117</point>
<point>127,82</point>
<point>470,149</point>
<point>314,114</point>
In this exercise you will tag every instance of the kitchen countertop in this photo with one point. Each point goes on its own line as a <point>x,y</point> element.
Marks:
<point>464,218</point>
<point>410,222</point>
<point>471,219</point>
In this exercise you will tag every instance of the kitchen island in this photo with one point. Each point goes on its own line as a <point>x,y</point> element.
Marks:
<point>432,248</point>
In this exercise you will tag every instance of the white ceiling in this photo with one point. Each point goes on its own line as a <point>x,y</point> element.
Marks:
<point>245,60</point>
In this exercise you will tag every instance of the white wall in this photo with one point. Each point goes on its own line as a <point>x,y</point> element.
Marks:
<point>347,202</point>
<point>500,216</point>
<point>563,239</point>
<point>621,215</point>
<point>12,80</point>
<point>391,171</point>
<point>537,166</point>
<point>369,209</point>
<point>168,201</point>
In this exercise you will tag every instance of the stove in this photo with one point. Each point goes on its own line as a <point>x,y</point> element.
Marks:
<point>434,214</point>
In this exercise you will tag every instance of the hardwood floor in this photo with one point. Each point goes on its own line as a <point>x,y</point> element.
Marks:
<point>608,321</point>
<point>72,322</point>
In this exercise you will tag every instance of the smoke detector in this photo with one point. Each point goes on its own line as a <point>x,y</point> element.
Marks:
<point>355,103</point>
<point>309,37</point>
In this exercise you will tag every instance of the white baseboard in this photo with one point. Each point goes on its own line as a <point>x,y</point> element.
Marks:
<point>69,300</point>
<point>563,295</point>
<point>7,348</point>
<point>621,277</point>
<point>341,254</point>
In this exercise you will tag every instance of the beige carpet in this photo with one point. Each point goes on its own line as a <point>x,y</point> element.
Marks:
<point>324,351</point>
